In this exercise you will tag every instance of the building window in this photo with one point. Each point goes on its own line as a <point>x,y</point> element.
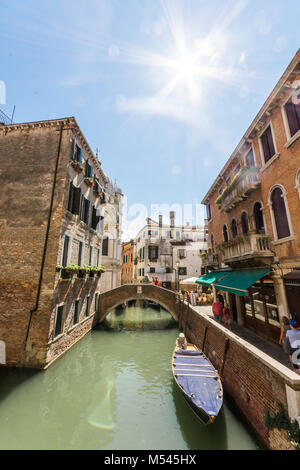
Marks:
<point>65,251</point>
<point>153,252</point>
<point>91,256</point>
<point>237,169</point>
<point>258,217</point>
<point>105,245</point>
<point>88,170</point>
<point>74,199</point>
<point>152,270</point>
<point>209,213</point>
<point>59,321</point>
<point>88,306</point>
<point>98,257</point>
<point>234,229</point>
<point>80,248</point>
<point>95,218</point>
<point>293,116</point>
<point>244,223</point>
<point>76,312</point>
<point>225,233</point>
<point>278,206</point>
<point>250,161</point>
<point>267,143</point>
<point>182,271</point>
<point>85,210</point>
<point>212,242</point>
<point>181,254</point>
<point>77,154</point>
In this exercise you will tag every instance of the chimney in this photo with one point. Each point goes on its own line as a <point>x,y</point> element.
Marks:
<point>160,221</point>
<point>172,219</point>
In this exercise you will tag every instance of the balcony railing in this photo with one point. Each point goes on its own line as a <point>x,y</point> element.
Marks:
<point>255,246</point>
<point>210,260</point>
<point>246,181</point>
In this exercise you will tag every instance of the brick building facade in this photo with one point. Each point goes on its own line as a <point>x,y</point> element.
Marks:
<point>253,210</point>
<point>52,198</point>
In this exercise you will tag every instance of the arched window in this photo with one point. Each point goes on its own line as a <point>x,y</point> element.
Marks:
<point>234,229</point>
<point>225,233</point>
<point>212,240</point>
<point>105,247</point>
<point>280,213</point>
<point>258,216</point>
<point>298,182</point>
<point>244,223</point>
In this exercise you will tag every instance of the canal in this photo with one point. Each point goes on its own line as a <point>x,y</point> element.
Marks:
<point>112,390</point>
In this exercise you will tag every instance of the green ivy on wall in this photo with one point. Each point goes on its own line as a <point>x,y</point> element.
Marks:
<point>281,420</point>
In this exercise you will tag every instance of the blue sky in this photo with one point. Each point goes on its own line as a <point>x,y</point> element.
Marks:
<point>164,88</point>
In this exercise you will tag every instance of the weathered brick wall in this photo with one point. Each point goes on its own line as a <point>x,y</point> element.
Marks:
<point>253,386</point>
<point>28,158</point>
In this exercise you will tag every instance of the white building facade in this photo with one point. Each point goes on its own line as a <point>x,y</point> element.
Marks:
<point>111,245</point>
<point>166,251</point>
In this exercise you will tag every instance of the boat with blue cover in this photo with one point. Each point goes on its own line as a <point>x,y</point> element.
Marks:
<point>199,382</point>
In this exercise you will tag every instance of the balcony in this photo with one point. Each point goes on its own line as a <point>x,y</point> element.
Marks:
<point>210,261</point>
<point>243,184</point>
<point>251,250</point>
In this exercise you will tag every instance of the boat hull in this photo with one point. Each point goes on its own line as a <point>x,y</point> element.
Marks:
<point>200,373</point>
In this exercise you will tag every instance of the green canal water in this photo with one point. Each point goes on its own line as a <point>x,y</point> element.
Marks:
<point>114,390</point>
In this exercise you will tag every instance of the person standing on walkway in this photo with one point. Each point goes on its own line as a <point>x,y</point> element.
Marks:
<point>294,339</point>
<point>283,340</point>
<point>217,309</point>
<point>221,298</point>
<point>227,317</point>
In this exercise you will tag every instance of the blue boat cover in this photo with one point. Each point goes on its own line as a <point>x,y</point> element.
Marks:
<point>197,377</point>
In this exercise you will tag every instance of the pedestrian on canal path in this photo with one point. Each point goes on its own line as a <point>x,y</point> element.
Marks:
<point>217,309</point>
<point>221,298</point>
<point>285,327</point>
<point>227,317</point>
<point>294,339</point>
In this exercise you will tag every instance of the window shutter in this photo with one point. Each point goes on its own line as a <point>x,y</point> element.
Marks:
<point>71,197</point>
<point>270,142</point>
<point>76,200</point>
<point>279,210</point>
<point>293,116</point>
<point>80,254</point>
<point>65,252</point>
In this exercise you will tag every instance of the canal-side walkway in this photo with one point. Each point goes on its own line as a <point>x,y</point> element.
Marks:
<point>268,347</point>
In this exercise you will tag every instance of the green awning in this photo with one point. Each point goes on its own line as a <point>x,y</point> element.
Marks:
<point>238,282</point>
<point>210,278</point>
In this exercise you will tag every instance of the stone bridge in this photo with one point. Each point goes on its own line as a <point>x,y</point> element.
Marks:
<point>111,299</point>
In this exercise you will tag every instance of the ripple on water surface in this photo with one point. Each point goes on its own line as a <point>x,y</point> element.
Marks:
<point>112,390</point>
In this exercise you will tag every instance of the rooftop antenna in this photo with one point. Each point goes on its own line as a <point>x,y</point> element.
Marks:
<point>13,114</point>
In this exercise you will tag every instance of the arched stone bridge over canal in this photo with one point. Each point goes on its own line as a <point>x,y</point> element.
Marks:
<point>120,295</point>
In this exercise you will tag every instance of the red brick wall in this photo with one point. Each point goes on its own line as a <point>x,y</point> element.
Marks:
<point>252,385</point>
<point>28,158</point>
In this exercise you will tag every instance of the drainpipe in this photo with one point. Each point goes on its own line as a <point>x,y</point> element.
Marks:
<point>46,238</point>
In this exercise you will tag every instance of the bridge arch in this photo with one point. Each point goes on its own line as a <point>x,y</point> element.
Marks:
<point>111,299</point>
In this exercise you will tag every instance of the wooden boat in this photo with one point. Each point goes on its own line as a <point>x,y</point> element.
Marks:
<point>199,381</point>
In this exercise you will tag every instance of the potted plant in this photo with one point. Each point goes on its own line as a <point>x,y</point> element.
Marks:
<point>88,181</point>
<point>77,166</point>
<point>72,268</point>
<point>59,267</point>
